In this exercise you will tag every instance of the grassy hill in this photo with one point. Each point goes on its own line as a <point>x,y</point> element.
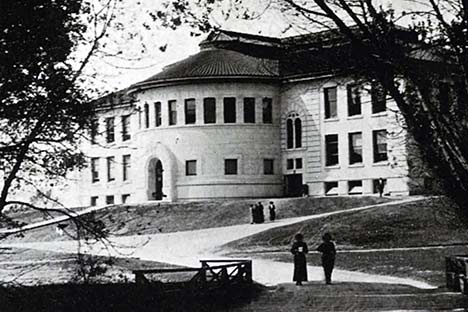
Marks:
<point>151,218</point>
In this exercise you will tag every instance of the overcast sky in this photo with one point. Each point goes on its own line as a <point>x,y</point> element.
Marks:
<point>114,73</point>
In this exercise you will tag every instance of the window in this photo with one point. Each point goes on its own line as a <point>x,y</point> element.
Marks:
<point>139,118</point>
<point>125,167</point>
<point>443,97</point>
<point>126,128</point>
<point>94,169</point>
<point>290,164</point>
<point>378,98</point>
<point>289,133</point>
<point>125,198</point>
<point>230,166</point>
<point>267,109</point>
<point>331,188</point>
<point>331,149</point>
<point>355,187</point>
<point>110,168</point>
<point>94,130</point>
<point>172,112</point>
<point>293,131</point>
<point>249,110</point>
<point>110,130</point>
<point>191,167</point>
<point>229,110</point>
<point>380,145</point>
<point>298,163</point>
<point>209,110</point>
<point>355,148</point>
<point>354,100</point>
<point>146,114</point>
<point>93,201</point>
<point>109,199</point>
<point>298,132</point>
<point>190,111</point>
<point>157,114</point>
<point>330,102</point>
<point>268,166</point>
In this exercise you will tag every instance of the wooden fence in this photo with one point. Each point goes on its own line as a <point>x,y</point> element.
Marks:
<point>456,270</point>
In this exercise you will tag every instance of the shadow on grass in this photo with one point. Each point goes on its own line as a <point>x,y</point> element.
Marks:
<point>123,297</point>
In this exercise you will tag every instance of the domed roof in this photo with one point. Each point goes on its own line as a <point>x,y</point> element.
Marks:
<point>216,63</point>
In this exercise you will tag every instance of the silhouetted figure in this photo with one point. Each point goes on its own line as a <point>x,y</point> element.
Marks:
<point>380,186</point>
<point>328,250</point>
<point>253,214</point>
<point>272,210</point>
<point>261,214</point>
<point>299,250</point>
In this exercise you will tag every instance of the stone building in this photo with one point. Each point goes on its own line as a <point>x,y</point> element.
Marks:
<point>247,116</point>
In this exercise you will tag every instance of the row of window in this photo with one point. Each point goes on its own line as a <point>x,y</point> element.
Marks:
<point>354,187</point>
<point>379,144</point>
<point>230,167</point>
<point>110,199</point>
<point>354,91</point>
<point>110,129</point>
<point>209,111</point>
<point>110,168</point>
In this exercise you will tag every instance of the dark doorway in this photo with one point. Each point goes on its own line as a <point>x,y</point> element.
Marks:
<point>293,184</point>
<point>158,175</point>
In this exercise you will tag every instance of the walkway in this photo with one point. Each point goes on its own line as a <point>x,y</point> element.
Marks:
<point>188,247</point>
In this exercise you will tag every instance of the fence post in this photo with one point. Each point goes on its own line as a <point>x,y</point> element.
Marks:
<point>248,271</point>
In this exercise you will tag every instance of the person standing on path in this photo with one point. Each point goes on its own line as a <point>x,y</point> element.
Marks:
<point>299,250</point>
<point>261,214</point>
<point>380,186</point>
<point>272,210</point>
<point>253,214</point>
<point>328,250</point>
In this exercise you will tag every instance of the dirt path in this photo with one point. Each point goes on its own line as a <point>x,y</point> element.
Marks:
<point>188,247</point>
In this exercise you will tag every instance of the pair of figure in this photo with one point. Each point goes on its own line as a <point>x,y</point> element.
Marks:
<point>257,213</point>
<point>299,250</point>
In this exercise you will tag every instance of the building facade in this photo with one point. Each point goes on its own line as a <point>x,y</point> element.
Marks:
<point>244,118</point>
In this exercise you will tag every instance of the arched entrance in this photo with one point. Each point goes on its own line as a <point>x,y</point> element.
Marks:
<point>155,176</point>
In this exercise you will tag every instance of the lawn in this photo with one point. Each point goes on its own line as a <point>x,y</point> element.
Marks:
<point>152,218</point>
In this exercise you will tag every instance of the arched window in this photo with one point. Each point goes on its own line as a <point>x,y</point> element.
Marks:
<point>293,131</point>
<point>298,132</point>
<point>146,112</point>
<point>289,133</point>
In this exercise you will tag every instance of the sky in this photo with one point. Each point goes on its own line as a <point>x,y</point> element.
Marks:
<point>146,59</point>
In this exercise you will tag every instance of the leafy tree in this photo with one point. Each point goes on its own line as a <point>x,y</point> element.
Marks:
<point>423,67</point>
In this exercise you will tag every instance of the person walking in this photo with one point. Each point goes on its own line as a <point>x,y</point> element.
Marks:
<point>380,186</point>
<point>261,214</point>
<point>299,250</point>
<point>272,210</point>
<point>328,250</point>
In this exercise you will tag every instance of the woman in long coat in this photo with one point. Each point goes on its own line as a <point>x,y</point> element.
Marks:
<point>328,250</point>
<point>299,250</point>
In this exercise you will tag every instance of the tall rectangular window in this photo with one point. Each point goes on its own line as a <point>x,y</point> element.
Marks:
<point>126,128</point>
<point>126,165</point>
<point>380,145</point>
<point>94,130</point>
<point>147,117</point>
<point>268,166</point>
<point>209,110</point>
<point>191,168</point>
<point>190,111</point>
<point>94,169</point>
<point>290,164</point>
<point>110,130</point>
<point>110,168</point>
<point>93,201</point>
<point>378,98</point>
<point>330,102</point>
<point>249,110</point>
<point>172,112</point>
<point>331,149</point>
<point>267,110</point>
<point>157,114</point>
<point>298,163</point>
<point>355,147</point>
<point>230,166</point>
<point>229,110</point>
<point>354,100</point>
